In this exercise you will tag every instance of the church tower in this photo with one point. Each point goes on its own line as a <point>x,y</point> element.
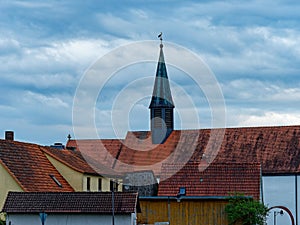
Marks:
<point>161,106</point>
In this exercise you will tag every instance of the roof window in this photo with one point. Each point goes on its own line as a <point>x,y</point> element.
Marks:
<point>55,180</point>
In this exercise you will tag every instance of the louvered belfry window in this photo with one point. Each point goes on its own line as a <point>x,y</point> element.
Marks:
<point>169,118</point>
<point>157,118</point>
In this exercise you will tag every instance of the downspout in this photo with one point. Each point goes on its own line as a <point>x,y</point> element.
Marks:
<point>296,197</point>
<point>261,186</point>
<point>169,213</point>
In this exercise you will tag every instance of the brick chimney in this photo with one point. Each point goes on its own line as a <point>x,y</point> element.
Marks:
<point>9,135</point>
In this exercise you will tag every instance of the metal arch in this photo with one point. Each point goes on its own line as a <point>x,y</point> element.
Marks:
<point>285,209</point>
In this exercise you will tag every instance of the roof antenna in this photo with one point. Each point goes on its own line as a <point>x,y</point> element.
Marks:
<point>160,38</point>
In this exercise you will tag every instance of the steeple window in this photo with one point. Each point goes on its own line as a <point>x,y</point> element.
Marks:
<point>157,118</point>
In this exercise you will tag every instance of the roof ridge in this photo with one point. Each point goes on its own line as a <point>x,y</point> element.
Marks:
<point>45,150</point>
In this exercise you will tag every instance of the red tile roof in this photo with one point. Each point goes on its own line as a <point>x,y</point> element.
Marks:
<point>276,148</point>
<point>29,166</point>
<point>137,152</point>
<point>79,162</point>
<point>104,151</point>
<point>72,202</point>
<point>219,179</point>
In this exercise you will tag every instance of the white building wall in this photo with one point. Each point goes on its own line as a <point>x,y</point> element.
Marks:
<point>281,191</point>
<point>133,218</point>
<point>68,219</point>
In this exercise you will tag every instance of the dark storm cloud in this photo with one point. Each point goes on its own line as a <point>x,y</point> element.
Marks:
<point>45,48</point>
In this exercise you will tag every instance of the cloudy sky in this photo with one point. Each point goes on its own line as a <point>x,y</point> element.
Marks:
<point>47,47</point>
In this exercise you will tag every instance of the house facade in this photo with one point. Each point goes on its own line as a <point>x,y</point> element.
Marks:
<point>282,190</point>
<point>68,219</point>
<point>7,183</point>
<point>82,172</point>
<point>24,167</point>
<point>76,208</point>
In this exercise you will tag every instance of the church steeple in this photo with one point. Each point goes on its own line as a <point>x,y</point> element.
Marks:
<point>161,106</point>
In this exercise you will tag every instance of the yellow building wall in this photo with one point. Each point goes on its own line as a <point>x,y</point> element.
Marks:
<point>79,180</point>
<point>7,183</point>
<point>192,212</point>
<point>73,177</point>
<point>94,181</point>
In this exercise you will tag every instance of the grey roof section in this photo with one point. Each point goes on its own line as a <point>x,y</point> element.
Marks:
<point>71,202</point>
<point>161,96</point>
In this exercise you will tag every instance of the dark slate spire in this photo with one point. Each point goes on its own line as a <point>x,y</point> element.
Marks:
<point>161,96</point>
<point>161,106</point>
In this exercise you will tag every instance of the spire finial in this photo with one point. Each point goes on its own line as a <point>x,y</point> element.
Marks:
<point>160,38</point>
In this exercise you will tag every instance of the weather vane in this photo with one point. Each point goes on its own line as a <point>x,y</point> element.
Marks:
<point>160,37</point>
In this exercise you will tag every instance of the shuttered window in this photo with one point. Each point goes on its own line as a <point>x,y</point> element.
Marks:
<point>169,118</point>
<point>157,118</point>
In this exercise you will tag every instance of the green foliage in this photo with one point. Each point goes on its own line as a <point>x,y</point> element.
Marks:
<point>245,211</point>
<point>2,218</point>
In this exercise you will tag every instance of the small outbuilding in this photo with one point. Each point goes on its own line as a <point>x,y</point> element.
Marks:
<point>189,195</point>
<point>76,208</point>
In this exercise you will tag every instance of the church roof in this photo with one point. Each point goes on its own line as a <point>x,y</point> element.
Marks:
<point>161,96</point>
<point>104,151</point>
<point>276,148</point>
<point>30,168</point>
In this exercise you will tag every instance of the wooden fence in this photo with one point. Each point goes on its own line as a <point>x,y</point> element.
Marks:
<point>197,211</point>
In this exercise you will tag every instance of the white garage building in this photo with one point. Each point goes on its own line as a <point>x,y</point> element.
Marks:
<point>76,208</point>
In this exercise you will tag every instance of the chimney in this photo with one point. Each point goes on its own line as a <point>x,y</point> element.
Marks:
<point>58,146</point>
<point>9,135</point>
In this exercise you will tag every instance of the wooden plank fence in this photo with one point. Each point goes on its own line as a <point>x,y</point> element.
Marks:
<point>185,212</point>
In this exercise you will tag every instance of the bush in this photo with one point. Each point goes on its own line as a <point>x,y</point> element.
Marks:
<point>245,211</point>
<point>2,218</point>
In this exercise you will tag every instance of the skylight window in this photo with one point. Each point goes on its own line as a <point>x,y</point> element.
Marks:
<point>55,180</point>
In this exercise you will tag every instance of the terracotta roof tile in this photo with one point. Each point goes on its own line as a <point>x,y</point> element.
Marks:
<point>219,179</point>
<point>103,151</point>
<point>31,169</point>
<point>277,149</point>
<point>137,152</point>
<point>79,162</point>
<point>70,202</point>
